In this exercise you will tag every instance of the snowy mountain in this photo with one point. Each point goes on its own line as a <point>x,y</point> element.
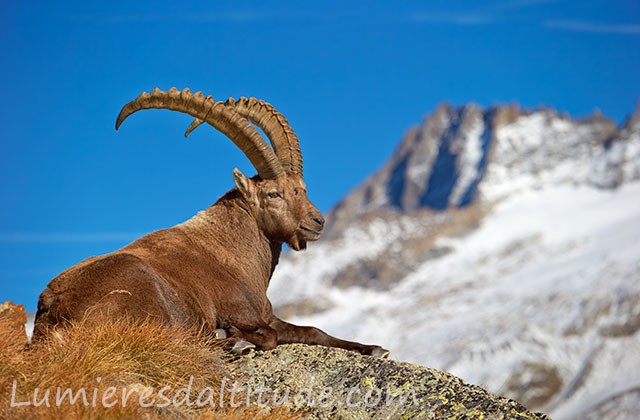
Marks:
<point>497,244</point>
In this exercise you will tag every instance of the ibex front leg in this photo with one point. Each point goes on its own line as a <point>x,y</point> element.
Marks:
<point>289,333</point>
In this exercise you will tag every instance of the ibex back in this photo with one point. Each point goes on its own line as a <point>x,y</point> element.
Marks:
<point>212,271</point>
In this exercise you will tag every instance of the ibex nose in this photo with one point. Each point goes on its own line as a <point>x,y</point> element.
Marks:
<point>319,220</point>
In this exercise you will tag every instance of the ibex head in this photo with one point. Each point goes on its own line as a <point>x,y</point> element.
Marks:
<point>277,196</point>
<point>282,208</point>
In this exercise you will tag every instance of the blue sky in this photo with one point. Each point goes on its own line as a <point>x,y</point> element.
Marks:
<point>351,77</point>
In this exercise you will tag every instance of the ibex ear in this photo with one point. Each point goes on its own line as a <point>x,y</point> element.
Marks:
<point>244,184</point>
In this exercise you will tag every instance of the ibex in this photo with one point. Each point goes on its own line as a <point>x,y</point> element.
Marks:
<point>212,271</point>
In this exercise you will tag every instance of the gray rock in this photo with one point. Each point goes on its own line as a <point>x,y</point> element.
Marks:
<point>331,383</point>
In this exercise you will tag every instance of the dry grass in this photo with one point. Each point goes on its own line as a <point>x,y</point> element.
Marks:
<point>135,359</point>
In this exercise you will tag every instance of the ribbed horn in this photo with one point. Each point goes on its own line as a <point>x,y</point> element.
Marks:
<point>283,139</point>
<point>223,118</point>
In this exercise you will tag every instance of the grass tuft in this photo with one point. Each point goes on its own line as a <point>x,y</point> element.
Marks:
<point>133,360</point>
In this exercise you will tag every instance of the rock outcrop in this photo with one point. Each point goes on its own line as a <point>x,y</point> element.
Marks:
<point>12,331</point>
<point>312,381</point>
<point>331,383</point>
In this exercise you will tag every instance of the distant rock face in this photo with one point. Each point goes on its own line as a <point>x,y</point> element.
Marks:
<point>620,159</point>
<point>459,154</point>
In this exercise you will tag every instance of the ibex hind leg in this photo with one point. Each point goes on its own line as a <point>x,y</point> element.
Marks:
<point>127,289</point>
<point>242,347</point>
<point>243,341</point>
<point>234,345</point>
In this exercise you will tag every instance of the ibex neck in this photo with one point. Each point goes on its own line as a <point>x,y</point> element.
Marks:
<point>228,228</point>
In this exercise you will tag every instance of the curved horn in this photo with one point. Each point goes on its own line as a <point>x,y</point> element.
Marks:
<point>216,114</point>
<point>283,139</point>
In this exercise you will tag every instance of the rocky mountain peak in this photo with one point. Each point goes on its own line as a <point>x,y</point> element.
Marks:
<point>459,154</point>
<point>632,124</point>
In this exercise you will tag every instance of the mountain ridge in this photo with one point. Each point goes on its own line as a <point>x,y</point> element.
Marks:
<point>440,163</point>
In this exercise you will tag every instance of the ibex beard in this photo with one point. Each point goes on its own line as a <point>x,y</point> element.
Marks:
<point>212,271</point>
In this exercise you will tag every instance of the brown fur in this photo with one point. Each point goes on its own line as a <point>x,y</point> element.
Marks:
<point>211,271</point>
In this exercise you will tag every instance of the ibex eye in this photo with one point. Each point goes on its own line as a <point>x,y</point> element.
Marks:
<point>274,194</point>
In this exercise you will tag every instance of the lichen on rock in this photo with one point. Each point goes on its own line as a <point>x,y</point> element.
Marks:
<point>333,383</point>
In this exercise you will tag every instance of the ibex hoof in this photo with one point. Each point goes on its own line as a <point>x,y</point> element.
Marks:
<point>220,334</point>
<point>242,348</point>
<point>380,352</point>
